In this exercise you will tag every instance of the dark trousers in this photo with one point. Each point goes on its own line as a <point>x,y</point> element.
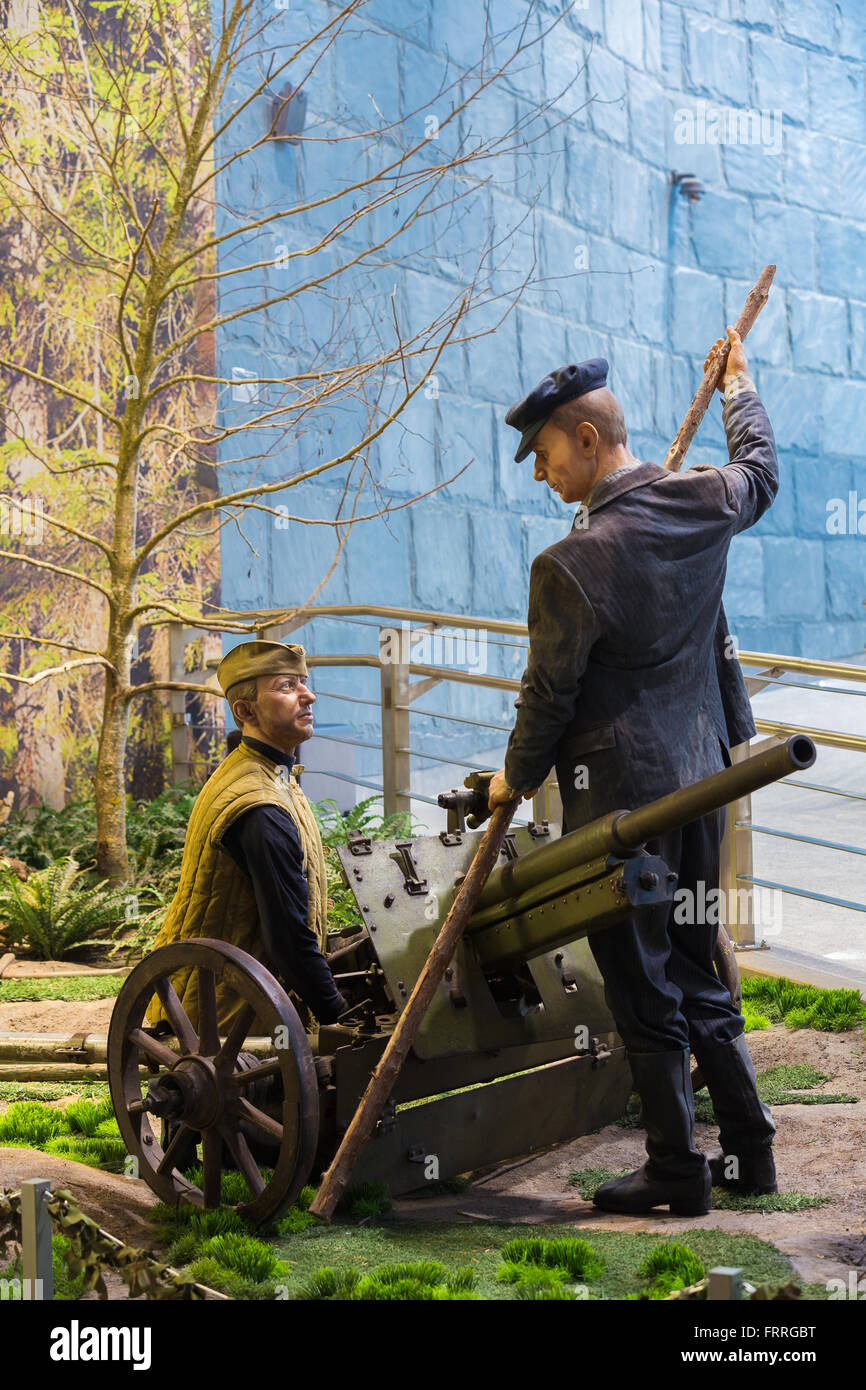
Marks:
<point>659,981</point>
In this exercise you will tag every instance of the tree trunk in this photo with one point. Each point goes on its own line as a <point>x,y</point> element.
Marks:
<point>109,781</point>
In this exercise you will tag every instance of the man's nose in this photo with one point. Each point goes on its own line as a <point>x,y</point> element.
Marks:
<point>307,696</point>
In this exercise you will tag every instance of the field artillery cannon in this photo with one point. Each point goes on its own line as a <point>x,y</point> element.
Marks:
<point>516,1052</point>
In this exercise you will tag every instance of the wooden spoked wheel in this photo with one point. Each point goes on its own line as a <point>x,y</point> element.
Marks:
<point>209,1090</point>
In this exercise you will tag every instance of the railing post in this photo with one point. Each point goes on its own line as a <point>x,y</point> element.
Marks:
<point>725,1284</point>
<point>394,684</point>
<point>37,1275</point>
<point>736,860</point>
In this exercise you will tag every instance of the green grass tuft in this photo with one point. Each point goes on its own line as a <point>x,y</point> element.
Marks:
<point>577,1257</point>
<point>586,1180</point>
<point>295,1221</point>
<point>96,1152</point>
<point>725,1200</point>
<point>365,1199</point>
<point>670,1265</point>
<point>754,1020</point>
<point>804,1006</point>
<point>63,987</point>
<point>538,1291</point>
<point>50,1090</point>
<point>242,1254</point>
<point>777,1086</point>
<point>29,1122</point>
<point>328,1284</point>
<point>88,1118</point>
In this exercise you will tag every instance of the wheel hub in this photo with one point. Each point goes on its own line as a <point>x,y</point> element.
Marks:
<point>189,1092</point>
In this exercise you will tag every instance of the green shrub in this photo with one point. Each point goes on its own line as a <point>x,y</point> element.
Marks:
<point>52,917</point>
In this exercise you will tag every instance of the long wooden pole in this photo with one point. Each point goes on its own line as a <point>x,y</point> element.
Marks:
<point>755,301</point>
<point>382,1081</point>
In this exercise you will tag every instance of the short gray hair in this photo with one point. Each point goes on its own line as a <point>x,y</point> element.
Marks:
<point>599,408</point>
<point>242,690</point>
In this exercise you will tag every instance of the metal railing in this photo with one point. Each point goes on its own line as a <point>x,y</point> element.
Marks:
<point>403,682</point>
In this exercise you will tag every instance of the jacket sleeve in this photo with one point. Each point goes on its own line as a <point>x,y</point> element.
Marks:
<point>752,476</point>
<point>562,630</point>
<point>264,842</point>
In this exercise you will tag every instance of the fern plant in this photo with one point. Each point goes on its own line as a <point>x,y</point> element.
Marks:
<point>51,916</point>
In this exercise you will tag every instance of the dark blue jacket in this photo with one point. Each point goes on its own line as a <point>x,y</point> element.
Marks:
<point>627,675</point>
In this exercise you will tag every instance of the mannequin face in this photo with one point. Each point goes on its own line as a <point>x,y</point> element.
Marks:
<point>282,714</point>
<point>568,463</point>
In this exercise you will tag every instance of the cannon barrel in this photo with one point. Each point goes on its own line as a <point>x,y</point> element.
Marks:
<point>551,871</point>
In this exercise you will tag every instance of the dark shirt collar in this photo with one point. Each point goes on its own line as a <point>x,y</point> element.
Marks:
<point>276,755</point>
<point>621,480</point>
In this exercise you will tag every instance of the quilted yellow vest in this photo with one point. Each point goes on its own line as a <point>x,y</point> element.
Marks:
<point>215,898</point>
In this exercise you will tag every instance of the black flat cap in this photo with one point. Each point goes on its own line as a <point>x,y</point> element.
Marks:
<point>561,385</point>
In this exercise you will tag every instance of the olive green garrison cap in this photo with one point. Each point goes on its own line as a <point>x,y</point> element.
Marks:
<point>252,659</point>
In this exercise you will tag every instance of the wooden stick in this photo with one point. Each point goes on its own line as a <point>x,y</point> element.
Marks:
<point>755,301</point>
<point>382,1081</point>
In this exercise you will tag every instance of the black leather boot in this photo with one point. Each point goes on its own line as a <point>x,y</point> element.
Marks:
<point>746,1127</point>
<point>676,1173</point>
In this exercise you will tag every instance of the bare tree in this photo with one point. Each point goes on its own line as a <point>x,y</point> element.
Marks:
<point>136,123</point>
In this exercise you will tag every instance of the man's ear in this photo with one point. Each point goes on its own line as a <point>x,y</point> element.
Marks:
<point>243,711</point>
<point>587,438</point>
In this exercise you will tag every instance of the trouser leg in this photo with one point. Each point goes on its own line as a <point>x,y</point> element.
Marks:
<point>657,966</point>
<point>676,1173</point>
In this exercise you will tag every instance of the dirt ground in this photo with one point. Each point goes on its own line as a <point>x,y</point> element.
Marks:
<point>820,1150</point>
<point>56,1016</point>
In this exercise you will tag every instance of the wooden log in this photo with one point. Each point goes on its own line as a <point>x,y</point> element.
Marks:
<point>5,961</point>
<point>56,1071</point>
<point>755,301</point>
<point>382,1081</point>
<point>12,969</point>
<point>51,1048</point>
